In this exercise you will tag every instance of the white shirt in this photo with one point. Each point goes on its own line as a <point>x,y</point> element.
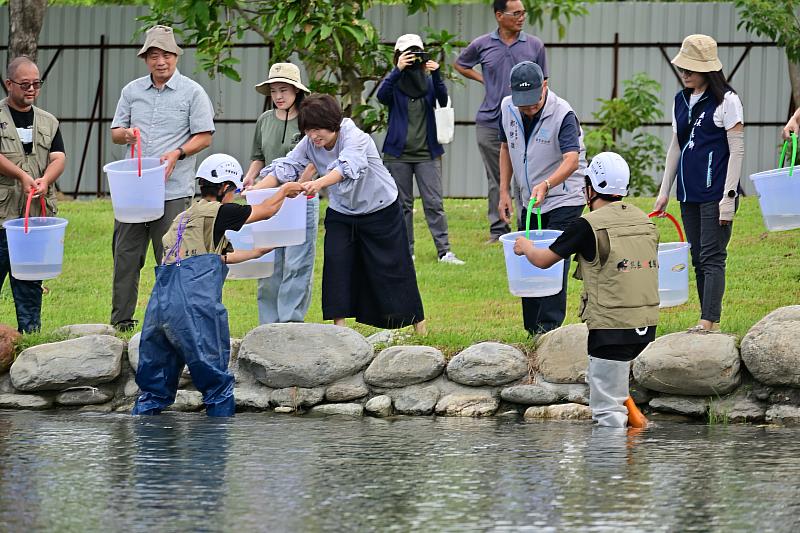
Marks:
<point>726,115</point>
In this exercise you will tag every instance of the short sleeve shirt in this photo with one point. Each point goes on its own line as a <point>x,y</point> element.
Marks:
<point>274,137</point>
<point>496,59</point>
<point>166,118</point>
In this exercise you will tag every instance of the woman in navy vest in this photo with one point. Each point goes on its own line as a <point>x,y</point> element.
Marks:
<point>411,148</point>
<point>705,158</point>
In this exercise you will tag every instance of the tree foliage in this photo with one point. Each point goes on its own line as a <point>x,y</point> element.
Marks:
<point>778,20</point>
<point>620,118</point>
<point>559,12</point>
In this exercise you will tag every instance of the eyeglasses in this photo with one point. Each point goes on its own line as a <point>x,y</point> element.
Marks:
<point>26,85</point>
<point>515,14</point>
<point>685,73</point>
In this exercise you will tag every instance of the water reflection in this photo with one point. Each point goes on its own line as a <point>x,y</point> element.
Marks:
<point>266,472</point>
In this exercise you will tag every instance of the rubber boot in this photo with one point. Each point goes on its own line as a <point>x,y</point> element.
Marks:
<point>226,407</point>
<point>608,390</point>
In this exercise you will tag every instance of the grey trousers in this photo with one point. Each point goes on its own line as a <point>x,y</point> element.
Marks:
<point>429,183</point>
<point>489,147</point>
<point>709,243</point>
<point>129,247</point>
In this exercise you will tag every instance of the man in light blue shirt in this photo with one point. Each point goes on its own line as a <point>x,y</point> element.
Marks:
<point>175,120</point>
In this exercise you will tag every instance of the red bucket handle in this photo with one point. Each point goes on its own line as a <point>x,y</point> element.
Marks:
<point>137,148</point>
<point>672,218</point>
<point>28,208</point>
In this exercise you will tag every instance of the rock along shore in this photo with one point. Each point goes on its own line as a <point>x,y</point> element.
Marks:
<point>329,370</point>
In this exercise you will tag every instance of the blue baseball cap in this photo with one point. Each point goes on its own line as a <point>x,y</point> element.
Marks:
<point>527,80</point>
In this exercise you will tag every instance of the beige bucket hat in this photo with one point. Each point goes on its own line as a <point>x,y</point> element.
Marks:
<point>160,37</point>
<point>699,54</point>
<point>283,73</point>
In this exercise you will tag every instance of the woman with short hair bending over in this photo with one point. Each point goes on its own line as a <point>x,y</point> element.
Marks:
<point>705,156</point>
<point>368,272</point>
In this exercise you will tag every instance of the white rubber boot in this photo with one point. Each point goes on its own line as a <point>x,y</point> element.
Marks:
<point>608,390</point>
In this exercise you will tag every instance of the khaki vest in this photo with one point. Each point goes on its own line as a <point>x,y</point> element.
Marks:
<point>12,199</point>
<point>198,232</point>
<point>620,287</point>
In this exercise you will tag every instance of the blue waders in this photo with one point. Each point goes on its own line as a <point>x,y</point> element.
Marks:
<point>186,323</point>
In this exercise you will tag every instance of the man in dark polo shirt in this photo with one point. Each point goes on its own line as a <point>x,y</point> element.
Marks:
<point>497,52</point>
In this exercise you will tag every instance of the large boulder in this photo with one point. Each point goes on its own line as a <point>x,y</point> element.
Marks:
<point>252,398</point>
<point>488,363</point>
<point>90,360</point>
<point>8,340</point>
<point>380,406</point>
<point>561,354</point>
<point>530,394</point>
<point>303,355</point>
<point>771,349</point>
<point>415,399</point>
<point>475,403</point>
<point>400,366</point>
<point>690,364</point>
<point>25,401</point>
<point>81,330</point>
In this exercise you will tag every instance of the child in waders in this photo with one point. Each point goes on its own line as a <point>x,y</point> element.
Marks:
<point>616,247</point>
<point>185,321</point>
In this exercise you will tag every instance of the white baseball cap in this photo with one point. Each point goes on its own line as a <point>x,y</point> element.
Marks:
<point>219,168</point>
<point>404,42</point>
<point>609,174</point>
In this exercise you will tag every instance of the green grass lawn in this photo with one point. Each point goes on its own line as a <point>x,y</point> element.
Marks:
<point>463,305</point>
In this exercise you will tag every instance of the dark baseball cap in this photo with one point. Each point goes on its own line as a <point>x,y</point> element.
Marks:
<point>527,79</point>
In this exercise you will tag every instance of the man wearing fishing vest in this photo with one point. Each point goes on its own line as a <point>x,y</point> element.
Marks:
<point>175,120</point>
<point>542,145</point>
<point>617,252</point>
<point>185,321</point>
<point>31,160</point>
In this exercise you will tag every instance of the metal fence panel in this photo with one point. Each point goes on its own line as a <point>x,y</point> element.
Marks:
<point>579,74</point>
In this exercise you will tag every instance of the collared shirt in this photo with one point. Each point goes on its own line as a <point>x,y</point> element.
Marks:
<point>366,186</point>
<point>497,59</point>
<point>166,118</point>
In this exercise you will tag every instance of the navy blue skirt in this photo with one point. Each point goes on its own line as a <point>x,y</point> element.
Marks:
<point>368,272</point>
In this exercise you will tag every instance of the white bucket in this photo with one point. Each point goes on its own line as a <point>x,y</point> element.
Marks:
<point>673,273</point>
<point>779,198</point>
<point>286,228</point>
<point>263,267</point>
<point>134,198</point>
<point>39,253</point>
<point>526,280</point>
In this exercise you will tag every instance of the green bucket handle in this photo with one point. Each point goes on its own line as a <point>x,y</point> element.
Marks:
<point>794,152</point>
<point>528,218</point>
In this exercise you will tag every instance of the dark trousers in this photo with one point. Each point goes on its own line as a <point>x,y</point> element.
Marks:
<point>129,246</point>
<point>540,315</point>
<point>489,147</point>
<point>429,182</point>
<point>709,242</point>
<point>27,294</point>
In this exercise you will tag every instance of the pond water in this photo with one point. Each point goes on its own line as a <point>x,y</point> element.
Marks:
<point>268,472</point>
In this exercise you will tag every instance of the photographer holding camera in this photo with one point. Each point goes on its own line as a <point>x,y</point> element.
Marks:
<point>411,148</point>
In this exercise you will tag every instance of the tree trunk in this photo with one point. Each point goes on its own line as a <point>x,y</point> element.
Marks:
<point>25,23</point>
<point>794,78</point>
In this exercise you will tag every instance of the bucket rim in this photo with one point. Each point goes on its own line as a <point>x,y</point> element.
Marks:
<point>512,236</point>
<point>135,171</point>
<point>19,224</point>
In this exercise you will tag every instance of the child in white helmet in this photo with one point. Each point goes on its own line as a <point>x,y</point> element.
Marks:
<point>616,246</point>
<point>185,321</point>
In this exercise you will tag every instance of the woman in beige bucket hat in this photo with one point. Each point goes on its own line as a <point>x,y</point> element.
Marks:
<point>705,158</point>
<point>286,295</point>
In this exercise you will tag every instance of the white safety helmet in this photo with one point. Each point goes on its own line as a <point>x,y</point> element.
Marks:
<point>609,174</point>
<point>219,168</point>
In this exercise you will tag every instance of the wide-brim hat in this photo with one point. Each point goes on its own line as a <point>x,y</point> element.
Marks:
<point>698,53</point>
<point>160,37</point>
<point>282,73</point>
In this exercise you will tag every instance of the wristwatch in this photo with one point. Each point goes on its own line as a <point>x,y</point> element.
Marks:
<point>183,154</point>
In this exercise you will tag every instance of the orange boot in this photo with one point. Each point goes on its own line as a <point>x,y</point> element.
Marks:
<point>635,417</point>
